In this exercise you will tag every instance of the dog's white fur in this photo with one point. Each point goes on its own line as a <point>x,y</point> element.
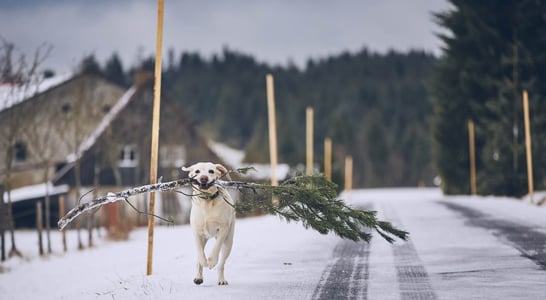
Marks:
<point>211,217</point>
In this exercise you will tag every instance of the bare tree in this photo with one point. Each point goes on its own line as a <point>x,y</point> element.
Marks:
<point>39,132</point>
<point>88,104</point>
<point>22,76</point>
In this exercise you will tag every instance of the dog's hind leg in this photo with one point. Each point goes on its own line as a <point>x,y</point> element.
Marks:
<point>226,251</point>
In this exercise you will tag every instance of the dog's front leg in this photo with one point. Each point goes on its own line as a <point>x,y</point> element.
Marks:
<point>226,250</point>
<point>201,260</point>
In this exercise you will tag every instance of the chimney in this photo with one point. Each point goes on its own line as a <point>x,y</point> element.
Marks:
<point>141,77</point>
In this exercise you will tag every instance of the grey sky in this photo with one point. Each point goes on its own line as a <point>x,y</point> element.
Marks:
<point>272,31</point>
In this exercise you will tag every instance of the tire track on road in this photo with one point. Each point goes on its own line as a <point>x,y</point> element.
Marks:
<point>413,279</point>
<point>347,277</point>
<point>528,241</point>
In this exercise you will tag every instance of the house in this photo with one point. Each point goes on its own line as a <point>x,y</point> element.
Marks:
<point>85,131</point>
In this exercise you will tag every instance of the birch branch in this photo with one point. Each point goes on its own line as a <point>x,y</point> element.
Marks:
<point>119,196</point>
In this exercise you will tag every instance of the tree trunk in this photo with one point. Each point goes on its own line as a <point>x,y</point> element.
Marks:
<point>77,179</point>
<point>3,214</point>
<point>13,251</point>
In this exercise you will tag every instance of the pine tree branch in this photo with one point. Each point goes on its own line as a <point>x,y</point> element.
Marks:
<point>311,200</point>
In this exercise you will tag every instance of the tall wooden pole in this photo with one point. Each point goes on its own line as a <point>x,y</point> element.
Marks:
<point>272,128</point>
<point>348,173</point>
<point>309,141</point>
<point>472,152</point>
<point>155,132</point>
<point>328,158</point>
<point>528,148</point>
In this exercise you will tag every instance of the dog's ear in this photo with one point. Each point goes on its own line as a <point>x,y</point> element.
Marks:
<point>223,171</point>
<point>187,169</point>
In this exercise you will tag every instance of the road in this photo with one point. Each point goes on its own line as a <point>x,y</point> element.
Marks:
<point>457,250</point>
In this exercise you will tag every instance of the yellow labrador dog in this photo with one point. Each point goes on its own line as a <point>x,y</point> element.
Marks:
<point>212,215</point>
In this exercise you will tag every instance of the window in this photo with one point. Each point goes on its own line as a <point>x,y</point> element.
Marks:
<point>20,151</point>
<point>65,108</point>
<point>128,157</point>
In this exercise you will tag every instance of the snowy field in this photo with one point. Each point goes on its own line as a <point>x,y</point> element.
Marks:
<point>272,259</point>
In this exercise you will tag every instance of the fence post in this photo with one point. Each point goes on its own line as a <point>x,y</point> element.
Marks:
<point>328,158</point>
<point>272,128</point>
<point>39,227</point>
<point>61,213</point>
<point>309,141</point>
<point>528,149</point>
<point>472,152</point>
<point>272,124</point>
<point>348,173</point>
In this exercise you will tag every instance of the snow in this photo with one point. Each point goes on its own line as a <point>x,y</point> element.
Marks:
<point>272,259</point>
<point>10,94</point>
<point>36,191</point>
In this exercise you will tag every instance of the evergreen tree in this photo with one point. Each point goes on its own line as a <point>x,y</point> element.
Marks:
<point>89,65</point>
<point>113,70</point>
<point>491,54</point>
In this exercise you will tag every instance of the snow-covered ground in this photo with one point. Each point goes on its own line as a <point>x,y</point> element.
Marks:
<point>272,259</point>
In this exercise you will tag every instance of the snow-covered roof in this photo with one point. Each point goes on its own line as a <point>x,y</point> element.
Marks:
<point>111,115</point>
<point>90,141</point>
<point>234,158</point>
<point>11,94</point>
<point>36,191</point>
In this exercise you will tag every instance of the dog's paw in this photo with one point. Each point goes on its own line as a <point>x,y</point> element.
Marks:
<point>198,281</point>
<point>212,261</point>
<point>222,282</point>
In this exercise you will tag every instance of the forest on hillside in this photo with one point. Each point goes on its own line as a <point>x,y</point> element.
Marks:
<point>373,107</point>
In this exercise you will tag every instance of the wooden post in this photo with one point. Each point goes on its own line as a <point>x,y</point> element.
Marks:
<point>472,152</point>
<point>272,129</point>
<point>328,158</point>
<point>309,141</point>
<point>155,132</point>
<point>61,213</point>
<point>528,149</point>
<point>348,173</point>
<point>39,227</point>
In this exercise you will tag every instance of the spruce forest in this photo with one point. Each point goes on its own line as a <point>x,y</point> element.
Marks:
<point>402,116</point>
<point>373,106</point>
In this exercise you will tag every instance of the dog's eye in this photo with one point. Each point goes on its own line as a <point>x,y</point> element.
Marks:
<point>197,171</point>
<point>211,171</point>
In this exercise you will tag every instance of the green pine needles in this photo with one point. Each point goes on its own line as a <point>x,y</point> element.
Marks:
<point>313,201</point>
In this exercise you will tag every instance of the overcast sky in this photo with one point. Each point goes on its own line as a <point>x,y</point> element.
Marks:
<point>272,31</point>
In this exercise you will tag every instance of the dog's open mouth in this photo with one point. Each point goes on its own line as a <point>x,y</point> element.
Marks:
<point>203,185</point>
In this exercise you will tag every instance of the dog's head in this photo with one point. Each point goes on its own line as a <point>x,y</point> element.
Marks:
<point>204,174</point>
